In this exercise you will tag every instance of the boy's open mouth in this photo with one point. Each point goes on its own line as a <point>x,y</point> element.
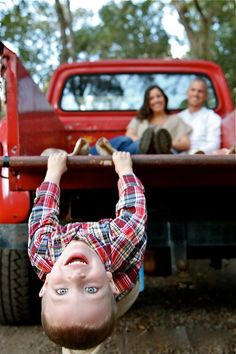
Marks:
<point>76,260</point>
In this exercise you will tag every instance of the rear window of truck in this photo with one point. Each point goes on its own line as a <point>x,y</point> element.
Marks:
<point>124,92</point>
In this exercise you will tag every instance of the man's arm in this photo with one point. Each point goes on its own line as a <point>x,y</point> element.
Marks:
<point>213,133</point>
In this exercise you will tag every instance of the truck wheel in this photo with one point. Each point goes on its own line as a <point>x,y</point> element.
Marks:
<point>19,287</point>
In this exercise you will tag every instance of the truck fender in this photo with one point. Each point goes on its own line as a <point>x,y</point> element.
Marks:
<point>15,206</point>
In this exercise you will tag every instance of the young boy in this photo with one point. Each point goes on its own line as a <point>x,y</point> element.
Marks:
<point>86,266</point>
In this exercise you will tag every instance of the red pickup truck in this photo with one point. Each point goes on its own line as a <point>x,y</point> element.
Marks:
<point>188,197</point>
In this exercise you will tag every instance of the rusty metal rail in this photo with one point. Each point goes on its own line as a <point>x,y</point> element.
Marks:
<point>208,161</point>
<point>26,172</point>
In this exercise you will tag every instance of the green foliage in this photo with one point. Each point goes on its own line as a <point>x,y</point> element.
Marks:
<point>224,49</point>
<point>127,30</point>
<point>27,28</point>
<point>211,30</point>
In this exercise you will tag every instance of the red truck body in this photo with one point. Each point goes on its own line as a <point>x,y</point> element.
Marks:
<point>93,125</point>
<point>187,196</point>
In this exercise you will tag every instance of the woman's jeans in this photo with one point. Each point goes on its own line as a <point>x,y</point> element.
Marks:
<point>121,143</point>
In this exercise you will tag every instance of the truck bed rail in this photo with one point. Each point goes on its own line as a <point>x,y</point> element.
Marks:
<point>27,172</point>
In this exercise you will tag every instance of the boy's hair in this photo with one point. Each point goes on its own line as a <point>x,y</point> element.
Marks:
<point>80,336</point>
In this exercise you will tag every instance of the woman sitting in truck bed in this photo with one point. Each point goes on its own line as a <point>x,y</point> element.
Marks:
<point>153,131</point>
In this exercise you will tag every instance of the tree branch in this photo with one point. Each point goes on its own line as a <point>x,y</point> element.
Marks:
<point>199,9</point>
<point>182,10</point>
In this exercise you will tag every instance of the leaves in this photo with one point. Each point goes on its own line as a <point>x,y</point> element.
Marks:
<point>47,34</point>
<point>211,29</point>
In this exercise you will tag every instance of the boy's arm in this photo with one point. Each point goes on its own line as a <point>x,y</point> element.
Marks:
<point>128,232</point>
<point>56,167</point>
<point>131,213</point>
<point>131,206</point>
<point>128,228</point>
<point>43,221</point>
<point>122,162</point>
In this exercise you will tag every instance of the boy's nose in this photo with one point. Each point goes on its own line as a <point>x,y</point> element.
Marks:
<point>79,274</point>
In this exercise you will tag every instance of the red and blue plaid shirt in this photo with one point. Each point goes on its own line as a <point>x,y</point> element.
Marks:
<point>119,242</point>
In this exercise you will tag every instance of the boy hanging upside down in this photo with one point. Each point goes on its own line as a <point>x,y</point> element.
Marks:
<point>88,268</point>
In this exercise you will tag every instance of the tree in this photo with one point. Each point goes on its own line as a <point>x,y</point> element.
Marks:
<point>47,35</point>
<point>127,30</point>
<point>211,31</point>
<point>41,44</point>
<point>26,26</point>
<point>65,19</point>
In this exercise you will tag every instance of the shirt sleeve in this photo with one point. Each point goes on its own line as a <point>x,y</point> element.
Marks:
<point>133,125</point>
<point>213,133</point>
<point>128,228</point>
<point>45,233</point>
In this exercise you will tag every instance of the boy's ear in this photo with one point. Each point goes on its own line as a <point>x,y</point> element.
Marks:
<point>113,286</point>
<point>44,287</point>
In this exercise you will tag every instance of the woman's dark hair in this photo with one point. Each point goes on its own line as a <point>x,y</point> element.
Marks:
<point>145,112</point>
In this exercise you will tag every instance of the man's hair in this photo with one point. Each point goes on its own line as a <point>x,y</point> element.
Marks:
<point>80,336</point>
<point>202,80</point>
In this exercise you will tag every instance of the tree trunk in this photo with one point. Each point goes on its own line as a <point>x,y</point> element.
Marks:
<point>198,38</point>
<point>64,57</point>
<point>72,45</point>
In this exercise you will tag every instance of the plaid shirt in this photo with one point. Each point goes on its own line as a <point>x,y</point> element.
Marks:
<point>119,242</point>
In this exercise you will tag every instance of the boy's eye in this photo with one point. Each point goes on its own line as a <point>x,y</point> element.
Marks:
<point>61,291</point>
<point>91,290</point>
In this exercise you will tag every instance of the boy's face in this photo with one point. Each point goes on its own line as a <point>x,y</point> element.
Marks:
<point>78,289</point>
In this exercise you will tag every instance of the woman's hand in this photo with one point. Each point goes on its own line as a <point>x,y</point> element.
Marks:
<point>130,134</point>
<point>182,144</point>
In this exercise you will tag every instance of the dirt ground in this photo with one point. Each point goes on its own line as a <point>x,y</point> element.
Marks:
<point>190,314</point>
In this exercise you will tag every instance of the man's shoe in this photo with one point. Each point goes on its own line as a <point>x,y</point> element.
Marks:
<point>162,141</point>
<point>104,147</point>
<point>81,147</point>
<point>146,142</point>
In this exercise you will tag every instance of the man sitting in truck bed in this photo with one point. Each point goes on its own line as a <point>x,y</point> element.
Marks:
<point>206,124</point>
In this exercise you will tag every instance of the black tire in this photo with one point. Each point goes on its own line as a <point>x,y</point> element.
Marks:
<point>19,287</point>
